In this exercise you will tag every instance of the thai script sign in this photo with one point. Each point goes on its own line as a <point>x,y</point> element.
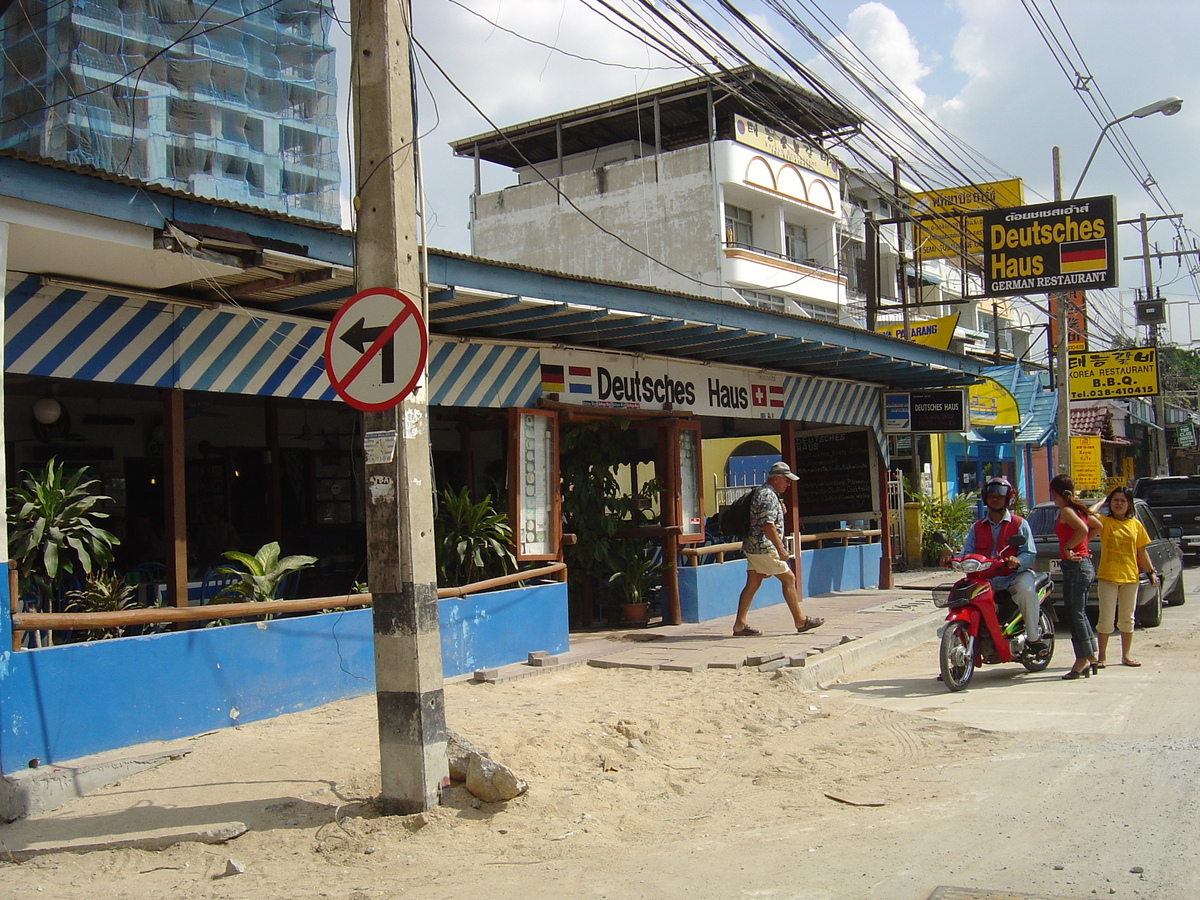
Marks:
<point>953,234</point>
<point>786,147</point>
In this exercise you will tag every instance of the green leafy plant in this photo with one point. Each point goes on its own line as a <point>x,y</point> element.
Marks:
<point>52,527</point>
<point>101,592</point>
<point>592,505</point>
<point>473,540</point>
<point>950,517</point>
<point>636,570</point>
<point>260,575</point>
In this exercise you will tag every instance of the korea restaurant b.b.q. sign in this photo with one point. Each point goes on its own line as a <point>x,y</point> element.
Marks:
<point>1061,246</point>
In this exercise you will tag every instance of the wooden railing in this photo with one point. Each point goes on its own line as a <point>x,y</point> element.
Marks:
<point>841,535</point>
<point>166,615</point>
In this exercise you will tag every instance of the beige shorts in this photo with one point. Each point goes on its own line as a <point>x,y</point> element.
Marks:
<point>766,563</point>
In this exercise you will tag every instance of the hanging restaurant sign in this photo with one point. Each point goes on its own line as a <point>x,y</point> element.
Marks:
<point>1067,245</point>
<point>1112,374</point>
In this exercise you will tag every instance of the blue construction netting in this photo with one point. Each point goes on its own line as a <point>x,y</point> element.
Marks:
<point>239,104</point>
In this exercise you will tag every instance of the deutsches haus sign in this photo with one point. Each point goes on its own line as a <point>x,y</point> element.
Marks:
<point>1067,245</point>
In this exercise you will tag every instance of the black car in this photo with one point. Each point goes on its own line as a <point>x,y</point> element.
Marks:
<point>1163,549</point>
<point>1175,499</point>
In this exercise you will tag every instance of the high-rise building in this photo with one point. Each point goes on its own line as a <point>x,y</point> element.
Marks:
<point>231,100</point>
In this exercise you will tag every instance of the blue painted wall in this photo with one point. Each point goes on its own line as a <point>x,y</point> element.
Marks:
<point>711,591</point>
<point>60,703</point>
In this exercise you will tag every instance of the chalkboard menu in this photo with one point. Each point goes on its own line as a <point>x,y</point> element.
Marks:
<point>835,475</point>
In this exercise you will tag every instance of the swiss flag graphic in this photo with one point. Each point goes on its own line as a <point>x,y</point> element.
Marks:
<point>758,395</point>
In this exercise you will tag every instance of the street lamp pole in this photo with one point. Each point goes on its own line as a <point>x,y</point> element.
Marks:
<point>1168,107</point>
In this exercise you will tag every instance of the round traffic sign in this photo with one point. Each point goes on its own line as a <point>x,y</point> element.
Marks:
<point>375,349</point>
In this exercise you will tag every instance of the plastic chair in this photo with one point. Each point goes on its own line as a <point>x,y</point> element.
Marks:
<point>214,582</point>
<point>146,573</point>
<point>289,586</point>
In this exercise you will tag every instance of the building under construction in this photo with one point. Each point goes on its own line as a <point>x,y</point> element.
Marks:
<point>231,100</point>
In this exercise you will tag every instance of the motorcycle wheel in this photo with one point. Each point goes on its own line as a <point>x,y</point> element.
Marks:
<point>1047,632</point>
<point>957,656</point>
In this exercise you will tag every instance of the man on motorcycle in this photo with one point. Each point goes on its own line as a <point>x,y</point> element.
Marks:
<point>990,537</point>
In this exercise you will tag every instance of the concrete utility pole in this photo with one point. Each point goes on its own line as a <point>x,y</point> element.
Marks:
<point>1063,384</point>
<point>1160,416</point>
<point>399,490</point>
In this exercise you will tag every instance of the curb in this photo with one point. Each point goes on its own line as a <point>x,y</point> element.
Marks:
<point>826,668</point>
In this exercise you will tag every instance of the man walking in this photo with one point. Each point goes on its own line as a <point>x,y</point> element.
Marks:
<point>766,554</point>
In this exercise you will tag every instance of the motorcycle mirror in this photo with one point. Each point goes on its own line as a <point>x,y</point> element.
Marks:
<point>937,537</point>
<point>1016,541</point>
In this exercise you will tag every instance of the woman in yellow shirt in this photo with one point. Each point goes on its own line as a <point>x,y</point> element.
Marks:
<point>1123,541</point>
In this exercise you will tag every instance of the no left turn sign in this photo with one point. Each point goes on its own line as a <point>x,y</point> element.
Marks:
<point>375,349</point>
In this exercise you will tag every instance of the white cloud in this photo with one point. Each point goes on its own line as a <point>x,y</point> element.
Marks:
<point>878,32</point>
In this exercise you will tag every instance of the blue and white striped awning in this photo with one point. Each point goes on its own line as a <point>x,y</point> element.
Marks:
<point>825,401</point>
<point>60,332</point>
<point>64,332</point>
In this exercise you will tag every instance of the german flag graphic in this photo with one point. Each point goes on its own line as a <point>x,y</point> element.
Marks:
<point>1083,256</point>
<point>553,381</point>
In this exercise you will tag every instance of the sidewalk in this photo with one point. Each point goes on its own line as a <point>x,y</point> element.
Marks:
<point>861,628</point>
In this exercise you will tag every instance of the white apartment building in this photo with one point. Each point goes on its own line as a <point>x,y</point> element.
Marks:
<point>718,189</point>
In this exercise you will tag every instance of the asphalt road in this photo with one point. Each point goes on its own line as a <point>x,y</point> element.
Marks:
<point>1093,780</point>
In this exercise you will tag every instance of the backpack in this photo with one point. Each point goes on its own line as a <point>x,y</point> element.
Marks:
<point>735,520</point>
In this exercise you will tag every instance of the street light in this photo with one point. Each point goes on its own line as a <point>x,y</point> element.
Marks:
<point>1167,107</point>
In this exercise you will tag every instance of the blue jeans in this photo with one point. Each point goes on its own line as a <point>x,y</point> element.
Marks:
<point>1076,578</point>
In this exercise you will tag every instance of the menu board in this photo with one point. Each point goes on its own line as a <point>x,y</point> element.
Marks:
<point>536,486</point>
<point>836,471</point>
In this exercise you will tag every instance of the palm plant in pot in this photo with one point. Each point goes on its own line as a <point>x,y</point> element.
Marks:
<point>637,570</point>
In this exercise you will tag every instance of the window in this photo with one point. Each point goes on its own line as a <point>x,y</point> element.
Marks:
<point>772,302</point>
<point>996,327</point>
<point>795,238</point>
<point>739,226</point>
<point>819,311</point>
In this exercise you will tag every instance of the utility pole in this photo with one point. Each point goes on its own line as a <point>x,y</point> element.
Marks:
<point>1063,417</point>
<point>399,489</point>
<point>1160,417</point>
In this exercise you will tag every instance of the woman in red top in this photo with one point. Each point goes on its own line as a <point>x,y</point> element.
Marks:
<point>1074,527</point>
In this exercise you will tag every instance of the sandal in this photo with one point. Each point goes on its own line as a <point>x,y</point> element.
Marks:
<point>810,622</point>
<point>747,632</point>
<point>1132,663</point>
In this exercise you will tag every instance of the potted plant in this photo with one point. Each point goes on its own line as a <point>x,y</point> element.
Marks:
<point>101,592</point>
<point>637,569</point>
<point>261,574</point>
<point>53,530</point>
<point>473,540</point>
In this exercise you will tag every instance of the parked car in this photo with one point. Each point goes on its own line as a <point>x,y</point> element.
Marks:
<point>1176,501</point>
<point>1163,549</point>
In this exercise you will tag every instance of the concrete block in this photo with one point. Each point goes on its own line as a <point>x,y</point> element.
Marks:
<point>32,791</point>
<point>760,659</point>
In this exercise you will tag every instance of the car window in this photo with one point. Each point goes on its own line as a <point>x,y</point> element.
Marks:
<point>1171,494</point>
<point>1149,520</point>
<point>1042,518</point>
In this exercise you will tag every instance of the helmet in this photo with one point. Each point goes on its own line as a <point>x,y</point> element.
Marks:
<point>998,484</point>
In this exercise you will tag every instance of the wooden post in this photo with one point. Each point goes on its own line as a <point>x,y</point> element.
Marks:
<point>399,492</point>
<point>174,496</point>
<point>791,519</point>
<point>885,528</point>
<point>274,468</point>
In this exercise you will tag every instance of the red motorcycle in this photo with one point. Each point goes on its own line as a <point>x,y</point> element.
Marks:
<point>986,626</point>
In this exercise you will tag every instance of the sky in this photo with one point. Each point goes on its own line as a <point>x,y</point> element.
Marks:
<point>979,69</point>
